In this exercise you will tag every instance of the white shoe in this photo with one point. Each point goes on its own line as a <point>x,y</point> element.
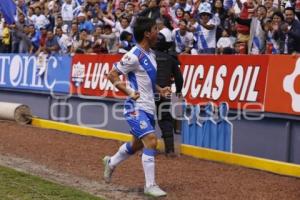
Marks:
<point>154,191</point>
<point>107,169</point>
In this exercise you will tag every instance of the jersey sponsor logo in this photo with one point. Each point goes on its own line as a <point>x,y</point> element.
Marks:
<point>146,62</point>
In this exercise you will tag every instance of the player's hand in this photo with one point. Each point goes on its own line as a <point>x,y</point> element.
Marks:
<point>134,95</point>
<point>165,92</point>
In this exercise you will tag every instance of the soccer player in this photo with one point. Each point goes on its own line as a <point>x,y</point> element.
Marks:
<point>139,66</point>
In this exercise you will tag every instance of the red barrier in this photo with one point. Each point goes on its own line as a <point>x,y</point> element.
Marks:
<point>245,82</point>
<point>238,80</point>
<point>283,85</point>
<point>88,77</point>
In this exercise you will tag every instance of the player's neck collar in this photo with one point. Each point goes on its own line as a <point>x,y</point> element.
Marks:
<point>144,47</point>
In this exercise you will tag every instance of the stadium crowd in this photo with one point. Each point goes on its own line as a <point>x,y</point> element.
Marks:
<point>193,26</point>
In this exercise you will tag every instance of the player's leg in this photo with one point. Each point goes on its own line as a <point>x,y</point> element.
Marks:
<point>149,140</point>
<point>127,149</point>
<point>124,152</point>
<point>148,158</point>
<point>148,161</point>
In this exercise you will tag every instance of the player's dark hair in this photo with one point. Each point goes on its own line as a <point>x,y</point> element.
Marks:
<point>142,25</point>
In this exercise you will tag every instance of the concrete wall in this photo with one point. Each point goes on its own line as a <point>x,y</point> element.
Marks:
<point>267,138</point>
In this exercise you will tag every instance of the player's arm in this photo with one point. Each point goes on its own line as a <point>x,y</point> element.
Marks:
<point>113,76</point>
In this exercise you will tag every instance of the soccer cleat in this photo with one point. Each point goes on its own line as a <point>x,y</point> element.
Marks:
<point>154,191</point>
<point>107,169</point>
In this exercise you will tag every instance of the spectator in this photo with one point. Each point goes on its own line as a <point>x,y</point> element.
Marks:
<point>205,35</point>
<point>31,16</point>
<point>74,34</point>
<point>277,18</point>
<point>270,7</point>
<point>172,8</point>
<point>256,43</point>
<point>239,47</point>
<point>84,44</point>
<point>67,13</point>
<point>182,4</point>
<point>126,42</point>
<point>52,46</point>
<point>179,14</point>
<point>40,19</point>
<point>59,21</point>
<point>16,31</point>
<point>270,27</point>
<point>192,22</point>
<point>225,43</point>
<point>207,27</point>
<point>183,38</point>
<point>153,10</point>
<point>22,7</point>
<point>129,9</point>
<point>118,13</point>
<point>289,33</point>
<point>43,38</point>
<point>6,39</point>
<point>122,6</point>
<point>164,27</point>
<point>229,4</point>
<point>143,7</point>
<point>96,35</point>
<point>243,31</point>
<point>163,10</point>
<point>25,42</point>
<point>35,36</point>
<point>64,40</point>
<point>219,12</point>
<point>123,25</point>
<point>272,31</point>
<point>110,39</point>
<point>96,21</point>
<point>99,44</point>
<point>84,24</point>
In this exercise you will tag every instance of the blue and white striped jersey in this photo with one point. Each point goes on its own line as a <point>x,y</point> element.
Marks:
<point>140,68</point>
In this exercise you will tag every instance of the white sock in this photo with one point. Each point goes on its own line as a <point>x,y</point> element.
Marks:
<point>148,161</point>
<point>124,152</point>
